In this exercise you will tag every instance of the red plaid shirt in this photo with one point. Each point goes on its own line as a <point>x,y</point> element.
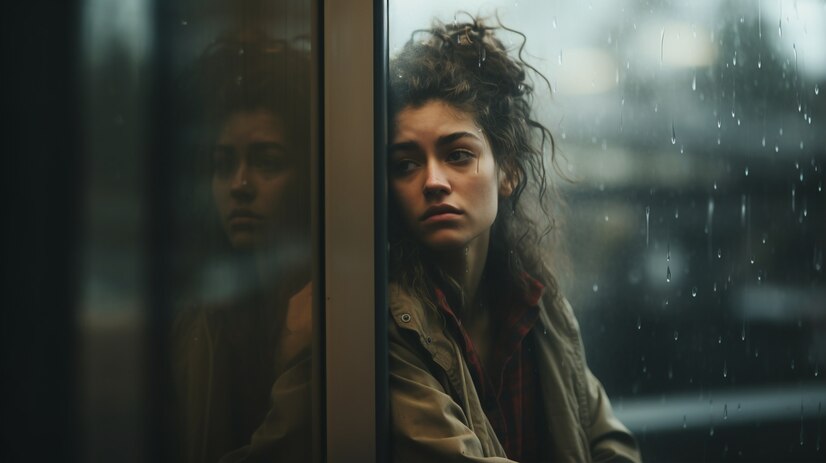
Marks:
<point>509,387</point>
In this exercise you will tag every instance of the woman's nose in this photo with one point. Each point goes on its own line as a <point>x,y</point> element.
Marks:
<point>241,187</point>
<point>436,181</point>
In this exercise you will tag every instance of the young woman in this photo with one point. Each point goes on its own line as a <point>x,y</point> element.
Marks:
<point>242,363</point>
<point>486,359</point>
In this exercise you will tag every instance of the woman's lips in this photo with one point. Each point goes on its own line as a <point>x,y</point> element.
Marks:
<point>243,217</point>
<point>440,213</point>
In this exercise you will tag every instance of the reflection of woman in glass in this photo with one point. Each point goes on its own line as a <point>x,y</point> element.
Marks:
<point>486,359</point>
<point>242,360</point>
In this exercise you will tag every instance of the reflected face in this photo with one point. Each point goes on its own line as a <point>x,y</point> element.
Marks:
<point>443,176</point>
<point>253,179</point>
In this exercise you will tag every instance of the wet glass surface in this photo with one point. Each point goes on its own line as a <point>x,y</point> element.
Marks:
<point>694,226</point>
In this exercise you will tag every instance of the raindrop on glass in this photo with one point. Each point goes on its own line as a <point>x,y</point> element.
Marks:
<point>676,213</point>
<point>647,221</point>
<point>685,425</point>
<point>639,323</point>
<point>184,22</point>
<point>595,287</point>
<point>743,332</point>
<point>714,288</point>
<point>747,171</point>
<point>719,253</point>
<point>763,142</point>
<point>725,411</point>
<point>676,335</point>
<point>694,291</point>
<point>554,22</point>
<point>711,431</point>
<point>673,134</point>
<point>719,123</point>
<point>725,370</point>
<point>668,274</point>
<point>694,83</point>
<point>817,90</point>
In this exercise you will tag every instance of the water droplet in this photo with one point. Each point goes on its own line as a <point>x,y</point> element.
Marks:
<point>743,333</point>
<point>676,213</point>
<point>715,185</point>
<point>668,254</point>
<point>560,57</point>
<point>763,142</point>
<point>668,274</point>
<point>780,27</point>
<point>759,63</point>
<point>714,288</point>
<point>673,134</point>
<point>711,431</point>
<point>647,221</point>
<point>719,123</point>
<point>685,425</point>
<point>719,253</point>
<point>184,22</point>
<point>595,287</point>
<point>694,83</point>
<point>694,291</point>
<point>747,171</point>
<point>241,51</point>
<point>639,323</point>
<point>676,335</point>
<point>662,45</point>
<point>817,90</point>
<point>554,22</point>
<point>725,411</point>
<point>725,369</point>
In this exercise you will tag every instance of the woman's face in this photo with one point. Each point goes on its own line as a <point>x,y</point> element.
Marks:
<point>443,176</point>
<point>254,179</point>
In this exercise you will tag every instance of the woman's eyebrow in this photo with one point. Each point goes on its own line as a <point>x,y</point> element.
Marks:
<point>404,146</point>
<point>450,138</point>
<point>266,145</point>
<point>441,141</point>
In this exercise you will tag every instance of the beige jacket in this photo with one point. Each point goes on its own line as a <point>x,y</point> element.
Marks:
<point>436,413</point>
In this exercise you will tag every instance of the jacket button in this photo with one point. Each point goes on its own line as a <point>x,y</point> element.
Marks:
<point>405,317</point>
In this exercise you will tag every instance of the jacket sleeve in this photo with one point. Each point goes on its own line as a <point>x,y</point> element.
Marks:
<point>609,440</point>
<point>286,433</point>
<point>427,424</point>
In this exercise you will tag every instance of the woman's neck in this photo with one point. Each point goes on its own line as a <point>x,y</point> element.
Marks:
<point>466,266</point>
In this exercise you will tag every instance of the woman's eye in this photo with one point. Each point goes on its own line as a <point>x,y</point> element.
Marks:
<point>269,162</point>
<point>223,162</point>
<point>404,166</point>
<point>460,156</point>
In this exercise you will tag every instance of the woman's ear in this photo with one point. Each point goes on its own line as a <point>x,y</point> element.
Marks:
<point>508,180</point>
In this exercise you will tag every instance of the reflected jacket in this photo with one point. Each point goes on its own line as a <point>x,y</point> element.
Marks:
<point>243,382</point>
<point>437,415</point>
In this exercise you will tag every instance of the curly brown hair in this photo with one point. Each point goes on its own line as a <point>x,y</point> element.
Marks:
<point>466,66</point>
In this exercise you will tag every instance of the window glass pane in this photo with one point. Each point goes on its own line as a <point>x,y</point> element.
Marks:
<point>692,226</point>
<point>198,302</point>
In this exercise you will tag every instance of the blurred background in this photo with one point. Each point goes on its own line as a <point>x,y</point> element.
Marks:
<point>696,222</point>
